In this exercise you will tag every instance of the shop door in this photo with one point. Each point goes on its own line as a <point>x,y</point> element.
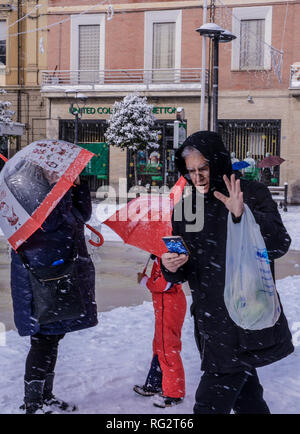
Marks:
<point>156,167</point>
<point>91,137</point>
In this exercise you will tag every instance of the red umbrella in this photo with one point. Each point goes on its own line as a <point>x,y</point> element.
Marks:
<point>271,161</point>
<point>145,220</point>
<point>32,183</point>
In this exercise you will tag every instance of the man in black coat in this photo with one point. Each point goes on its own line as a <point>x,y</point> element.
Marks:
<point>230,354</point>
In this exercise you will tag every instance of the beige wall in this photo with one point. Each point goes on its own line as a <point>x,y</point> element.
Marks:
<point>32,60</point>
<point>33,112</point>
<point>60,110</point>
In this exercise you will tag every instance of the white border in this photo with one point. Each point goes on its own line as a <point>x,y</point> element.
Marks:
<point>251,13</point>
<point>162,17</point>
<point>76,21</point>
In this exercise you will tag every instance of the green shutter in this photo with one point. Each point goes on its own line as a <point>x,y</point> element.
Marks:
<point>98,165</point>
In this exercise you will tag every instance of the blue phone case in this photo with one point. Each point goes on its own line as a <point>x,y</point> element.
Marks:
<point>175,246</point>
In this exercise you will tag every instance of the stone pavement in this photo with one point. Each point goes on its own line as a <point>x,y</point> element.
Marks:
<point>117,265</point>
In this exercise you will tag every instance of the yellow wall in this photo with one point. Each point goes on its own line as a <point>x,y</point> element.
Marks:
<point>32,61</point>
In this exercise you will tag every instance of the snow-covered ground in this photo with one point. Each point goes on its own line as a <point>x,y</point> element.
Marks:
<point>291,220</point>
<point>98,367</point>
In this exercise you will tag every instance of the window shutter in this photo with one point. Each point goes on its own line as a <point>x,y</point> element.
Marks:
<point>89,51</point>
<point>252,37</point>
<point>163,50</point>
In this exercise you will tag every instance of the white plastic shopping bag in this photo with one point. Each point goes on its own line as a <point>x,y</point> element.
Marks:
<point>250,294</point>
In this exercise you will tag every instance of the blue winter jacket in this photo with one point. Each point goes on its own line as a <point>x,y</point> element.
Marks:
<point>53,242</point>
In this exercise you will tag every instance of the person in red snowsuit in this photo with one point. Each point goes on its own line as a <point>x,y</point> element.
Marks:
<point>166,373</point>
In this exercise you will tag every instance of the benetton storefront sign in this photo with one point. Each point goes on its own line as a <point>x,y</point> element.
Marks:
<point>109,110</point>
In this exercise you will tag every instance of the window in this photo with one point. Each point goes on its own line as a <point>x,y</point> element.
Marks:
<point>253,28</point>
<point>89,52</point>
<point>162,45</point>
<point>87,47</point>
<point>163,55</point>
<point>252,44</point>
<point>2,43</point>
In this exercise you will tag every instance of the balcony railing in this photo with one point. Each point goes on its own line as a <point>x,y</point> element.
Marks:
<point>295,76</point>
<point>113,78</point>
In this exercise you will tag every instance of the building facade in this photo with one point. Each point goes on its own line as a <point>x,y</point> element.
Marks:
<point>23,54</point>
<point>151,47</point>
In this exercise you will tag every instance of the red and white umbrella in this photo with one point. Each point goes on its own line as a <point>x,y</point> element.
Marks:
<point>32,183</point>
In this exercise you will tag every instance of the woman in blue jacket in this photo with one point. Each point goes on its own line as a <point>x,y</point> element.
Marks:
<point>54,241</point>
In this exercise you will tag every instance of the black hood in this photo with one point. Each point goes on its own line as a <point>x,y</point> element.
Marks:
<point>212,148</point>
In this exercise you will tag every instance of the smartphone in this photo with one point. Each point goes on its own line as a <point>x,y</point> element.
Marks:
<point>176,244</point>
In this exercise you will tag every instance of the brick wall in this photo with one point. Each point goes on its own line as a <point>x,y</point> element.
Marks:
<point>124,44</point>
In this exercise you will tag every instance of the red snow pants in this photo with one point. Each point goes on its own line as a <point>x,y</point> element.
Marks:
<point>170,309</point>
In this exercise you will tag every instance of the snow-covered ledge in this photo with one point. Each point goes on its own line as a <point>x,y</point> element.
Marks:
<point>126,87</point>
<point>11,129</point>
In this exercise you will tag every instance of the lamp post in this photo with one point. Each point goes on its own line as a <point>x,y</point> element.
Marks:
<point>75,108</point>
<point>203,72</point>
<point>217,35</point>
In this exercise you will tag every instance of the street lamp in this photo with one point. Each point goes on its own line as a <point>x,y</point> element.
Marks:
<point>75,107</point>
<point>217,34</point>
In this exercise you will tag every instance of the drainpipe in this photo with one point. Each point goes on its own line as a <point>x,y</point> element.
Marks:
<point>27,115</point>
<point>60,46</point>
<point>37,42</point>
<point>19,96</point>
